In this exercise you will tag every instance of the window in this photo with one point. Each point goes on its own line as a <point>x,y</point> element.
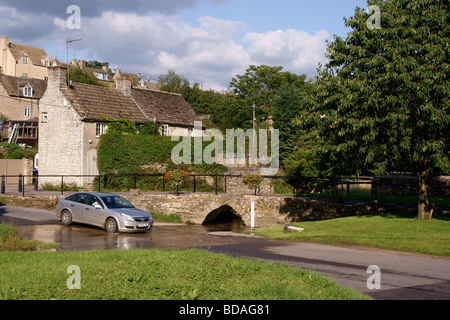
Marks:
<point>27,133</point>
<point>27,112</point>
<point>100,129</point>
<point>47,63</point>
<point>26,130</point>
<point>25,59</point>
<point>28,92</point>
<point>79,197</point>
<point>102,76</point>
<point>93,201</point>
<point>44,117</point>
<point>165,130</point>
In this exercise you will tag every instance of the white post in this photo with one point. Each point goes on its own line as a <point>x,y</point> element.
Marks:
<point>252,217</point>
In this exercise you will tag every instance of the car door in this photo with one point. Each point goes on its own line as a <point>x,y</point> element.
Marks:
<point>76,206</point>
<point>93,215</point>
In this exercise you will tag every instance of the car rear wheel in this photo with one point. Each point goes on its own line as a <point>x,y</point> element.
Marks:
<point>66,217</point>
<point>111,225</point>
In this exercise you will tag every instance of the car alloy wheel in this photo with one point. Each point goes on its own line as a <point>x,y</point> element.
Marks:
<point>111,225</point>
<point>66,217</point>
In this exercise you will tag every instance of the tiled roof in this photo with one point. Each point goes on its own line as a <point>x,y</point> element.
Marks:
<point>14,86</point>
<point>36,55</point>
<point>95,103</point>
<point>166,107</point>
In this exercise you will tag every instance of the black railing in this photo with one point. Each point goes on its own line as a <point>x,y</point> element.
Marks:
<point>108,182</point>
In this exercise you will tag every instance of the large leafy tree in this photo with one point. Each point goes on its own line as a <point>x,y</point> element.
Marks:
<point>382,101</point>
<point>173,82</point>
<point>297,147</point>
<point>259,85</point>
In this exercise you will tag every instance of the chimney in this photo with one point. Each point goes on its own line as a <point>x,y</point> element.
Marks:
<point>105,68</point>
<point>4,42</point>
<point>57,76</point>
<point>82,64</point>
<point>117,75</point>
<point>123,84</point>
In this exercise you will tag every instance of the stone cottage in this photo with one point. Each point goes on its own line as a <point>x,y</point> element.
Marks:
<point>71,121</point>
<point>23,61</point>
<point>19,108</point>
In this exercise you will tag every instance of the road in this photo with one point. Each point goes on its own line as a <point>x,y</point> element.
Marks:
<point>401,276</point>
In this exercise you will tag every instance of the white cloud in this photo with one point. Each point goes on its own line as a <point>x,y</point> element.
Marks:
<point>297,51</point>
<point>212,52</point>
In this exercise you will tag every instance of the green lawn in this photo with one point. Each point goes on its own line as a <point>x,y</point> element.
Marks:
<point>387,231</point>
<point>11,240</point>
<point>159,275</point>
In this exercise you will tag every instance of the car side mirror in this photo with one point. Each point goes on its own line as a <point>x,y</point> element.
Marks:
<point>97,206</point>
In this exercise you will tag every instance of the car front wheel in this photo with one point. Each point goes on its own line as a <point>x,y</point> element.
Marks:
<point>111,225</point>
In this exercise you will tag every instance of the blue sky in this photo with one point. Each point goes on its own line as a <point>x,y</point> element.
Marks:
<point>268,15</point>
<point>207,41</point>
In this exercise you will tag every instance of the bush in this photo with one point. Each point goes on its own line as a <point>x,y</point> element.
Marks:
<point>129,155</point>
<point>71,186</point>
<point>253,181</point>
<point>15,151</point>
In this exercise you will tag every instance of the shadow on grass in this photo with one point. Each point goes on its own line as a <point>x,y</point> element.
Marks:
<point>408,215</point>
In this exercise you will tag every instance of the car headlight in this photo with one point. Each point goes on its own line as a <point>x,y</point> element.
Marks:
<point>126,217</point>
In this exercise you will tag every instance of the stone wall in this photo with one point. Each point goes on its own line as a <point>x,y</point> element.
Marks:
<point>407,185</point>
<point>13,108</point>
<point>269,210</point>
<point>236,186</point>
<point>60,134</point>
<point>14,167</point>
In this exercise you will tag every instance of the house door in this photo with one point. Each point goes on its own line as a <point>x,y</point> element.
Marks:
<point>92,169</point>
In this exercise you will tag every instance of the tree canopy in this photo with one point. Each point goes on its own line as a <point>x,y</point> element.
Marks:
<point>173,82</point>
<point>382,100</point>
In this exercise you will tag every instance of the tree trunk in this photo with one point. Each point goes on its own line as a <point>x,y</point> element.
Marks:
<point>424,209</point>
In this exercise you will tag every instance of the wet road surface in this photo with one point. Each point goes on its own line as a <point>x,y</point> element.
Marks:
<point>403,276</point>
<point>162,236</point>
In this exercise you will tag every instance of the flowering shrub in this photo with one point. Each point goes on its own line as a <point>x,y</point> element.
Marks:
<point>253,181</point>
<point>176,177</point>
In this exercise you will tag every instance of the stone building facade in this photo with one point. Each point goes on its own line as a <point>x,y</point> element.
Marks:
<point>23,61</point>
<point>72,119</point>
<point>19,108</point>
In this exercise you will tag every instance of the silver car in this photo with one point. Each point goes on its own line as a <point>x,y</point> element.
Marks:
<point>106,210</point>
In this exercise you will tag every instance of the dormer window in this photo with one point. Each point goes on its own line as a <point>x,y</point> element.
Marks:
<point>47,63</point>
<point>27,92</point>
<point>102,76</point>
<point>25,59</point>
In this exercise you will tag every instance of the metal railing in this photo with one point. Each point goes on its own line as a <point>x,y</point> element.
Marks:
<point>100,182</point>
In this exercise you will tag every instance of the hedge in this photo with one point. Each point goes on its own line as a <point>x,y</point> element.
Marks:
<point>128,155</point>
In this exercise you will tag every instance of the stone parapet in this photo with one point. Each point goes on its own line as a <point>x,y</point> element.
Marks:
<point>269,210</point>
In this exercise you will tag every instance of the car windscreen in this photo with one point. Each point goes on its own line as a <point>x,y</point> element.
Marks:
<point>116,202</point>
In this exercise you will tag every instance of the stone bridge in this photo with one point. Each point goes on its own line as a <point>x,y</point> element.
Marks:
<point>203,208</point>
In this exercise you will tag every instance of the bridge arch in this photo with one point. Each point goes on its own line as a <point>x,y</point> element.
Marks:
<point>223,214</point>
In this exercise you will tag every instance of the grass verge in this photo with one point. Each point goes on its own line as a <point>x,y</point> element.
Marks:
<point>160,275</point>
<point>174,218</point>
<point>400,232</point>
<point>11,240</point>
